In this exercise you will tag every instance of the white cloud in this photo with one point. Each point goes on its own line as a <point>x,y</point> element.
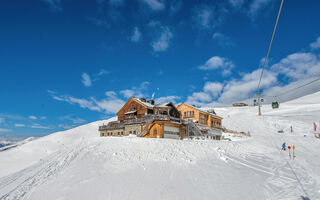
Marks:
<point>163,41</point>
<point>40,127</point>
<point>222,40</point>
<point>111,94</point>
<point>155,4</point>
<point>1,120</point>
<point>172,99</point>
<point>213,88</point>
<point>136,36</point>
<point>293,71</point>
<point>43,117</point>
<point>199,96</point>
<point>217,62</point>
<point>33,117</point>
<point>236,3</point>
<point>236,90</point>
<point>136,91</point>
<point>316,44</point>
<point>75,120</point>
<point>208,17</point>
<point>298,66</point>
<point>127,93</point>
<point>108,105</point>
<point>257,5</point>
<point>19,125</point>
<point>102,72</point>
<point>86,80</point>
<point>4,130</point>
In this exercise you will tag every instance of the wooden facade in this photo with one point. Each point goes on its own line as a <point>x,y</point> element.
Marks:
<point>143,118</point>
<point>200,116</point>
<point>165,129</point>
<point>134,108</point>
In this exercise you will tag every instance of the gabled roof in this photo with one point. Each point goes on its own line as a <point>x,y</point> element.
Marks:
<point>206,111</point>
<point>148,105</point>
<point>164,105</point>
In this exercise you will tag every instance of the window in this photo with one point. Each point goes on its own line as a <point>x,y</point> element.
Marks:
<point>185,114</point>
<point>134,132</point>
<point>155,131</point>
<point>192,113</point>
<point>130,132</point>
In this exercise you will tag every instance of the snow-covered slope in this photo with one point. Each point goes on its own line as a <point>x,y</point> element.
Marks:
<point>78,164</point>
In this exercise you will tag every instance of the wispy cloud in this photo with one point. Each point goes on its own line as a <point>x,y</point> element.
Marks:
<point>55,5</point>
<point>208,17</point>
<point>316,44</point>
<point>136,35</point>
<point>86,80</point>
<point>75,120</point>
<point>136,91</point>
<point>1,120</point>
<point>162,42</point>
<point>40,127</point>
<point>155,4</point>
<point>217,62</point>
<point>19,125</point>
<point>4,130</point>
<point>33,117</point>
<point>236,3</point>
<point>256,6</point>
<point>106,105</point>
<point>222,40</point>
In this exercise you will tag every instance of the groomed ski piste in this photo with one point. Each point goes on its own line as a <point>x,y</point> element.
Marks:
<point>78,164</point>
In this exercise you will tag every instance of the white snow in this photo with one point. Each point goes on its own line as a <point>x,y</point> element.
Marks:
<point>78,164</point>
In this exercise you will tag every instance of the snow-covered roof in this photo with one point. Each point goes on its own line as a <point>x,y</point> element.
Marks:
<point>162,105</point>
<point>145,103</point>
<point>130,112</point>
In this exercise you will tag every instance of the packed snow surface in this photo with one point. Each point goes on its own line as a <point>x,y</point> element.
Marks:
<point>78,164</point>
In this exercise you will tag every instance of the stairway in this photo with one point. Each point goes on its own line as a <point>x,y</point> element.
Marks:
<point>193,130</point>
<point>148,122</point>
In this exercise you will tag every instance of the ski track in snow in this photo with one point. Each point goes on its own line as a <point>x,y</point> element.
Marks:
<point>253,168</point>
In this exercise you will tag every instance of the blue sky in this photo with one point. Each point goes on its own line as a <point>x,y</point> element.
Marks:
<point>64,63</point>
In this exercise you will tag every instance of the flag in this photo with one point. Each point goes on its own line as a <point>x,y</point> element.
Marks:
<point>315,127</point>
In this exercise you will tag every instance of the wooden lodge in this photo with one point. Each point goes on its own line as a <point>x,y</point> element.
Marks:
<point>200,116</point>
<point>144,118</point>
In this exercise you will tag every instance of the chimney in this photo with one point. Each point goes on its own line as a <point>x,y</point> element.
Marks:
<point>151,101</point>
<point>143,99</point>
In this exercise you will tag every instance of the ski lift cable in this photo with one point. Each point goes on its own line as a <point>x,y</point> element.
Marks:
<point>293,89</point>
<point>269,48</point>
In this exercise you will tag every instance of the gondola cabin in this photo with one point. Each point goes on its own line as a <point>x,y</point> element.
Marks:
<point>275,105</point>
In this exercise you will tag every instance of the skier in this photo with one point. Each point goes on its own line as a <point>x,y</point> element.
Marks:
<point>291,129</point>
<point>284,146</point>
